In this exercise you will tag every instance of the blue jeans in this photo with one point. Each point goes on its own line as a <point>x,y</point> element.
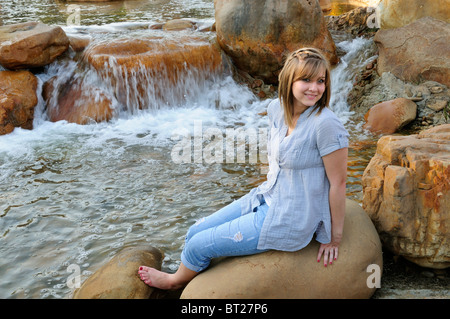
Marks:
<point>224,233</point>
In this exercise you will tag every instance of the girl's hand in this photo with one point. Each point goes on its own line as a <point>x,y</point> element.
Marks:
<point>329,252</point>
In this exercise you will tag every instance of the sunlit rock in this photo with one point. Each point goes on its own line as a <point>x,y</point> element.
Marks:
<point>398,13</point>
<point>357,21</point>
<point>31,44</point>
<point>79,43</point>
<point>325,5</point>
<point>416,52</point>
<point>17,100</point>
<point>119,279</point>
<point>178,24</point>
<point>390,116</point>
<point>406,189</point>
<point>284,275</point>
<point>77,101</point>
<point>258,35</point>
<point>166,68</point>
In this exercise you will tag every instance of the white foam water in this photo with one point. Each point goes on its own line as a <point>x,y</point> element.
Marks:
<point>358,54</point>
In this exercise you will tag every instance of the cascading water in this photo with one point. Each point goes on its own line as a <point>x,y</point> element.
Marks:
<point>76,194</point>
<point>358,54</point>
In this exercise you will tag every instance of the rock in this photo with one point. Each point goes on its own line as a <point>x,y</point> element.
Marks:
<point>258,87</point>
<point>119,279</point>
<point>258,36</point>
<point>17,100</point>
<point>277,274</point>
<point>436,89</point>
<point>437,105</point>
<point>30,45</point>
<point>406,194</point>
<point>417,52</point>
<point>178,24</point>
<point>79,43</point>
<point>146,70</point>
<point>75,101</point>
<point>390,116</point>
<point>397,13</point>
<point>354,21</point>
<point>325,5</point>
<point>156,26</point>
<point>367,93</point>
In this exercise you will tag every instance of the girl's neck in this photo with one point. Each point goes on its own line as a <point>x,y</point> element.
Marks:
<point>298,110</point>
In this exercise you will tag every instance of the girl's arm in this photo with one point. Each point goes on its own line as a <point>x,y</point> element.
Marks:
<point>336,170</point>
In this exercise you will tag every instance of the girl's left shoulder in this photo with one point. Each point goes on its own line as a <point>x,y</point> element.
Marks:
<point>328,119</point>
<point>327,115</point>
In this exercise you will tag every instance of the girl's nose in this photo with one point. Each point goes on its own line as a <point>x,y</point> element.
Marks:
<point>313,86</point>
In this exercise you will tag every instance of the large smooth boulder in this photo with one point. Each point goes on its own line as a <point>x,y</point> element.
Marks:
<point>17,100</point>
<point>118,279</point>
<point>159,68</point>
<point>417,52</point>
<point>390,116</point>
<point>406,192</point>
<point>397,13</point>
<point>259,35</point>
<point>277,274</point>
<point>31,45</point>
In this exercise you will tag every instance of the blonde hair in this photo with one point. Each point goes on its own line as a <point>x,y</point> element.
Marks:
<point>305,63</point>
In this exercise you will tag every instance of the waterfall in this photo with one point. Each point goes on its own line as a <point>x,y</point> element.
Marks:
<point>142,87</point>
<point>358,54</point>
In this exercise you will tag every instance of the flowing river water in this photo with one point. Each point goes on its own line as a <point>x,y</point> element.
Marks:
<point>77,194</point>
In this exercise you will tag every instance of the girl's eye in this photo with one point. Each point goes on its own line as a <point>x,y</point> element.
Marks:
<point>318,81</point>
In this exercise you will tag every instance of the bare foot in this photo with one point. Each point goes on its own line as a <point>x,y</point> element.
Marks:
<point>162,280</point>
<point>157,279</point>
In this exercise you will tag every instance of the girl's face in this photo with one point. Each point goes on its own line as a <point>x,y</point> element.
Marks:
<point>307,92</point>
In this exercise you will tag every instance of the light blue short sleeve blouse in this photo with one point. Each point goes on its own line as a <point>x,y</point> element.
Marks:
<point>297,188</point>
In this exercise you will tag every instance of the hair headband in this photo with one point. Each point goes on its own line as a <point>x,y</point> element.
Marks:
<point>306,53</point>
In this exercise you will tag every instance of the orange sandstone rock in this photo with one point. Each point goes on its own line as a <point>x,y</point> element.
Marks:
<point>406,192</point>
<point>142,70</point>
<point>258,36</point>
<point>417,52</point>
<point>390,116</point>
<point>17,100</point>
<point>79,43</point>
<point>397,13</point>
<point>76,102</point>
<point>31,44</point>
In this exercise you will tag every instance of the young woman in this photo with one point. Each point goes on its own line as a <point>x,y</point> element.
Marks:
<point>304,194</point>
